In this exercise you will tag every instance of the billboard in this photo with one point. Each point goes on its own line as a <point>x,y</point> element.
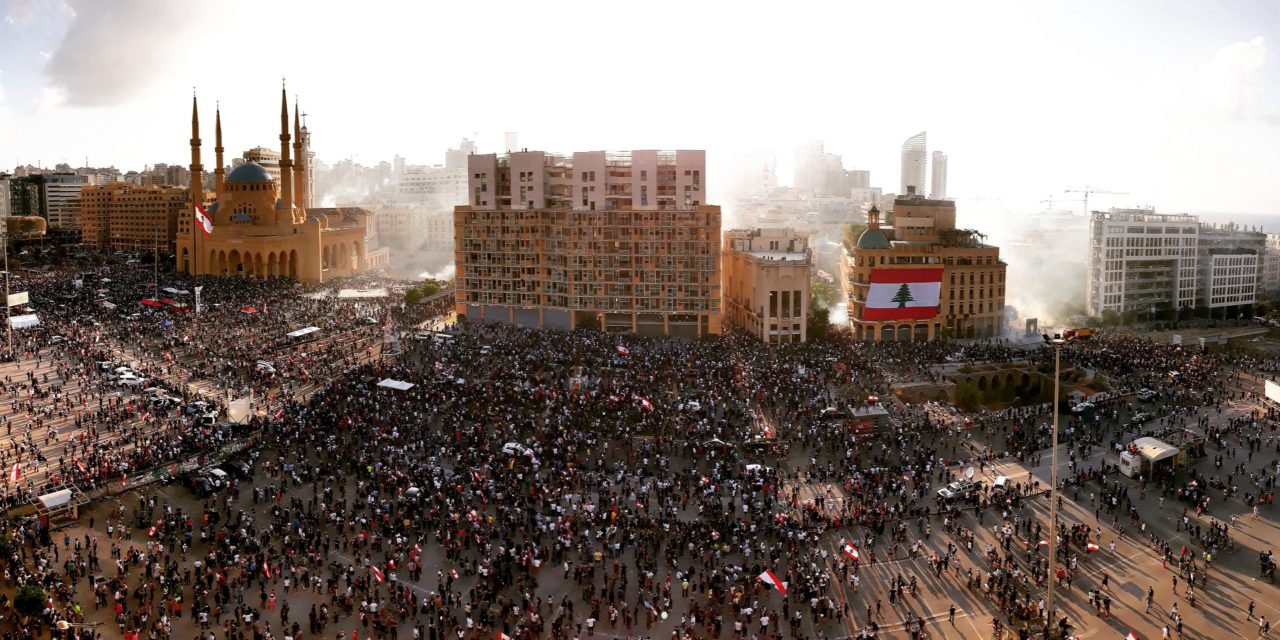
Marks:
<point>1273,391</point>
<point>18,299</point>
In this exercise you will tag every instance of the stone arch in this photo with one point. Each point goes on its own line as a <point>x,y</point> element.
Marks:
<point>982,383</point>
<point>921,333</point>
<point>1026,380</point>
<point>293,263</point>
<point>886,333</point>
<point>1008,379</point>
<point>235,266</point>
<point>324,257</point>
<point>272,265</point>
<point>904,333</point>
<point>222,263</point>
<point>259,266</point>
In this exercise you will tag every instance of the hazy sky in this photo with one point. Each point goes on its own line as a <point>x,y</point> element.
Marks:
<point>1176,102</point>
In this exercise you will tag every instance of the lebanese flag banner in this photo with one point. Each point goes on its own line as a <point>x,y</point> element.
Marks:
<point>644,403</point>
<point>903,294</point>
<point>15,473</point>
<point>623,351</point>
<point>1044,543</point>
<point>768,578</point>
<point>202,219</point>
<point>851,551</point>
<point>503,636</point>
<point>376,573</point>
<point>1092,546</point>
<point>266,570</point>
<point>1131,636</point>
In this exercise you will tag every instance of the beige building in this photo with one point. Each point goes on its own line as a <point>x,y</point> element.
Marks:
<point>923,278</point>
<point>124,216</point>
<point>261,226</point>
<point>614,241</point>
<point>767,283</point>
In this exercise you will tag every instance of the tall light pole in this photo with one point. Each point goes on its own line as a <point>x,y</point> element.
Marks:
<point>1057,341</point>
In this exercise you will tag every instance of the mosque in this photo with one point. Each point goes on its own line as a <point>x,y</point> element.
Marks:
<point>264,229</point>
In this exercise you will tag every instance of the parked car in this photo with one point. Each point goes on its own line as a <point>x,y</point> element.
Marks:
<point>1147,395</point>
<point>1140,418</point>
<point>1082,407</point>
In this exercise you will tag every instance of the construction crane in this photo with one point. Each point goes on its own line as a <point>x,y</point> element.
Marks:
<point>1087,191</point>
<point>1050,201</point>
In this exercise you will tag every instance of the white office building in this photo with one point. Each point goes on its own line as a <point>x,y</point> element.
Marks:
<point>62,199</point>
<point>1144,261</point>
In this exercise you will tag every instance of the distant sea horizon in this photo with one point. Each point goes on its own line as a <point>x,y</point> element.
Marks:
<point>1269,222</point>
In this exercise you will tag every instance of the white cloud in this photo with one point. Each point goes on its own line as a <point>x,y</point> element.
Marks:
<point>1231,84</point>
<point>96,61</point>
<point>50,98</point>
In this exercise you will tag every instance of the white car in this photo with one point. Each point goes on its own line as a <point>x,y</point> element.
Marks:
<point>131,381</point>
<point>516,449</point>
<point>263,365</point>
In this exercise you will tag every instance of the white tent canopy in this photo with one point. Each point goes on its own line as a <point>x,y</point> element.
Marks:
<point>55,499</point>
<point>24,321</point>
<point>1154,450</point>
<point>398,385</point>
<point>362,293</point>
<point>302,332</point>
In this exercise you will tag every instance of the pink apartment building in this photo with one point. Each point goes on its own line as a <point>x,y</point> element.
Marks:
<point>622,242</point>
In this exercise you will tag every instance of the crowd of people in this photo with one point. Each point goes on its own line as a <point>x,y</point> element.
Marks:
<point>549,485</point>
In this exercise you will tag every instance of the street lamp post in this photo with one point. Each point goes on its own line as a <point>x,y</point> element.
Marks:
<point>1057,341</point>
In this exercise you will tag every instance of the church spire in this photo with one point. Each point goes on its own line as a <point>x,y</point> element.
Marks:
<point>286,165</point>
<point>217,149</point>
<point>299,162</point>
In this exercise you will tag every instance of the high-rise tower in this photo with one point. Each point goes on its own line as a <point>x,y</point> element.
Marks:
<point>938,175</point>
<point>914,161</point>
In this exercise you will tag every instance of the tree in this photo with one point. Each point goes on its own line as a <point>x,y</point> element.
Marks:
<point>903,296</point>
<point>819,324</point>
<point>413,296</point>
<point>29,600</point>
<point>967,396</point>
<point>824,294</point>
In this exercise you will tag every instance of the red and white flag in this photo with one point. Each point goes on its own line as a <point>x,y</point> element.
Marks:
<point>503,636</point>
<point>768,578</point>
<point>1044,543</point>
<point>266,570</point>
<point>623,351</point>
<point>453,573</point>
<point>1091,546</point>
<point>1132,636</point>
<point>124,479</point>
<point>644,403</point>
<point>202,219</point>
<point>851,551</point>
<point>903,294</point>
<point>377,574</point>
<point>15,473</point>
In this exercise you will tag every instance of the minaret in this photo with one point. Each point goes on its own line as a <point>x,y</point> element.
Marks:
<point>300,162</point>
<point>217,150</point>
<point>286,165</point>
<point>197,191</point>
<point>308,188</point>
<point>197,184</point>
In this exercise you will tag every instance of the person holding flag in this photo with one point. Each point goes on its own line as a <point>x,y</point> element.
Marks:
<point>769,578</point>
